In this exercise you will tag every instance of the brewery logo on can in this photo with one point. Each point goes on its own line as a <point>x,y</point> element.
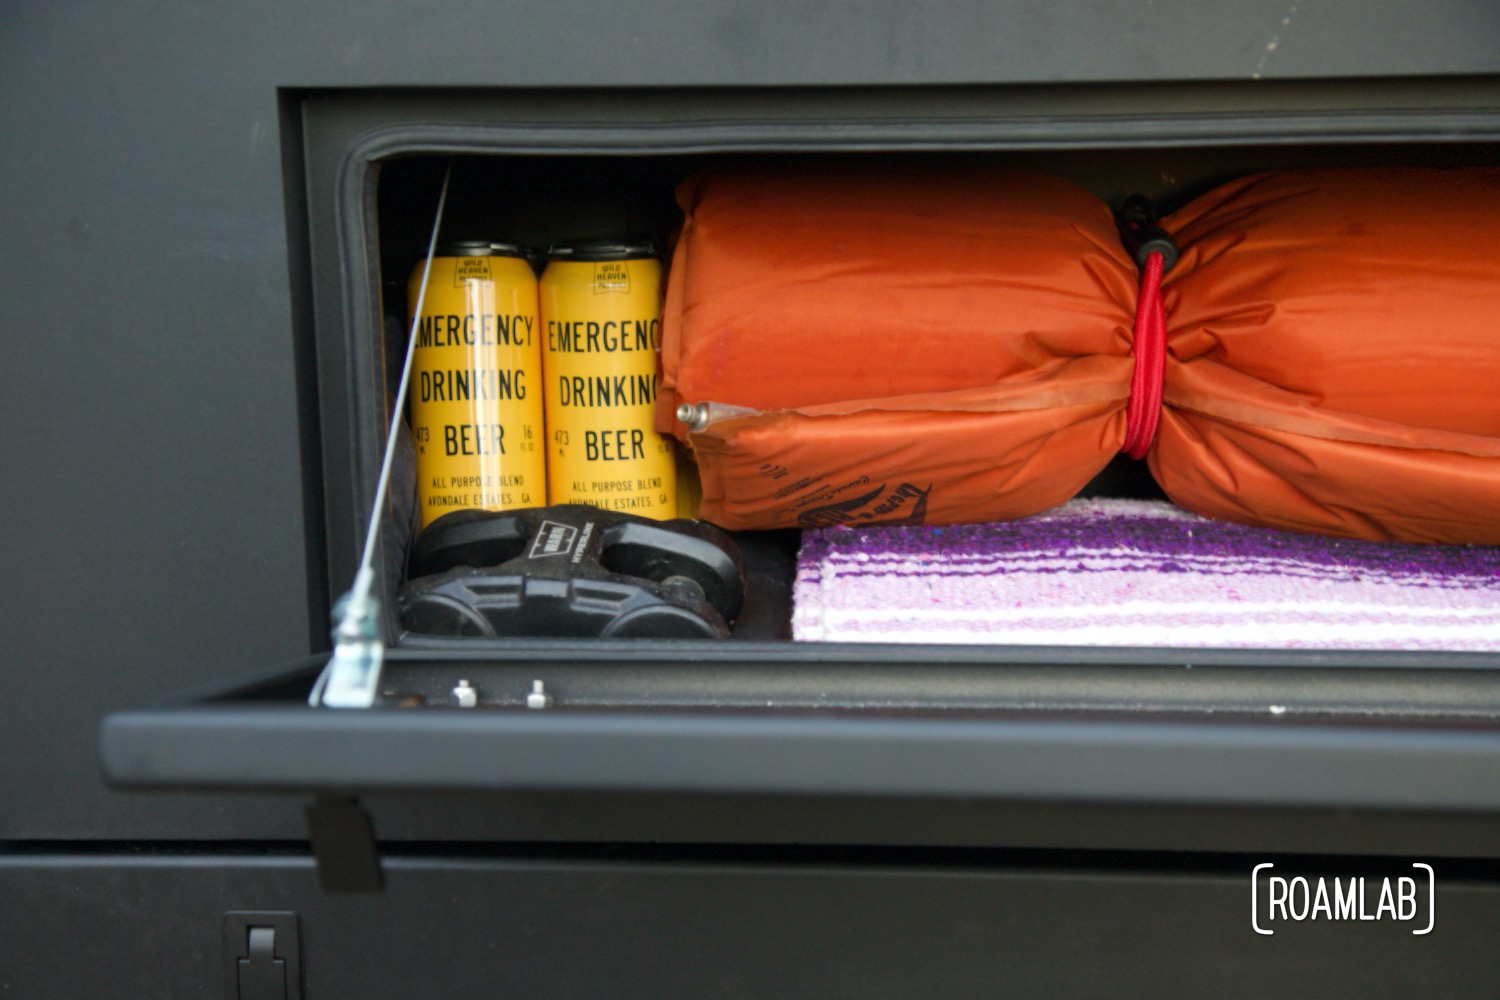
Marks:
<point>601,313</point>
<point>611,276</point>
<point>476,386</point>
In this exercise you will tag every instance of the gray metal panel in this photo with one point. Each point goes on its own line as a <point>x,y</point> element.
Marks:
<point>1388,765</point>
<point>982,926</point>
<point>152,473</point>
<point>637,818</point>
<point>1103,749</point>
<point>682,42</point>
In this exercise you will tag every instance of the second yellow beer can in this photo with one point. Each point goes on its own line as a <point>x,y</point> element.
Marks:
<point>476,386</point>
<point>601,312</point>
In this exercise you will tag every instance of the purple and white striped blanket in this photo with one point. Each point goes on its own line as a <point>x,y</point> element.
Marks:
<point>1141,573</point>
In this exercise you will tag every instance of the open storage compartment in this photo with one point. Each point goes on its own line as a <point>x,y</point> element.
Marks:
<point>759,714</point>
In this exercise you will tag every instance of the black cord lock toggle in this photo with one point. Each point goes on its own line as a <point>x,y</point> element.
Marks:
<point>1142,236</point>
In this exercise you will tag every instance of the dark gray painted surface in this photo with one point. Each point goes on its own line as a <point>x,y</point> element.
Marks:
<point>1396,764</point>
<point>983,927</point>
<point>155,450</point>
<point>577,42</point>
<point>152,485</point>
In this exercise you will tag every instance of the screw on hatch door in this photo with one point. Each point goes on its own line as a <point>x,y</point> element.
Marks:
<point>538,698</point>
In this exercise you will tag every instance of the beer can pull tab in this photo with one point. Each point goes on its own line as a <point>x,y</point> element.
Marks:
<point>1142,236</point>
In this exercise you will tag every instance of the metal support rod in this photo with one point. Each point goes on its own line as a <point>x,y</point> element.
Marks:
<point>353,672</point>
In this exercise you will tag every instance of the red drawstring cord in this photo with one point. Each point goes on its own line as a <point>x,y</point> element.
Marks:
<point>1144,410</point>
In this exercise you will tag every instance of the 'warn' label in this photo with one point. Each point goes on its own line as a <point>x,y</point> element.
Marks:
<point>553,539</point>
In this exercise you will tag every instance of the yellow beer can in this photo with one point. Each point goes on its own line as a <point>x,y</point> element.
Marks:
<point>476,386</point>
<point>601,312</point>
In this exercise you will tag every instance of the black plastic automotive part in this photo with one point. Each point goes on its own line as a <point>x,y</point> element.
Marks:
<point>1137,221</point>
<point>571,570</point>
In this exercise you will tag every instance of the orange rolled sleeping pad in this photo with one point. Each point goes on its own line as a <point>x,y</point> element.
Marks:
<point>955,345</point>
<point>1333,360</point>
<point>937,346</point>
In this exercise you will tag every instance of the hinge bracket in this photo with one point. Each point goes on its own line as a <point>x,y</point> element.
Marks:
<point>343,844</point>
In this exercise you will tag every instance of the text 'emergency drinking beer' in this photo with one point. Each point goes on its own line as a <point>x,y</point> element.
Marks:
<point>601,311</point>
<point>476,392</point>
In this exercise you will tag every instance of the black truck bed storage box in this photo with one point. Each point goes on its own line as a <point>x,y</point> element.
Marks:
<point>703,787</point>
<point>759,715</point>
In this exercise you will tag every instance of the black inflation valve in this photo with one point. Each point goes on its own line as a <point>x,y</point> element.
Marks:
<point>571,570</point>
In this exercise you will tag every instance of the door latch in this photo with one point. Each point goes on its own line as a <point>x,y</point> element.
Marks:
<point>262,958</point>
